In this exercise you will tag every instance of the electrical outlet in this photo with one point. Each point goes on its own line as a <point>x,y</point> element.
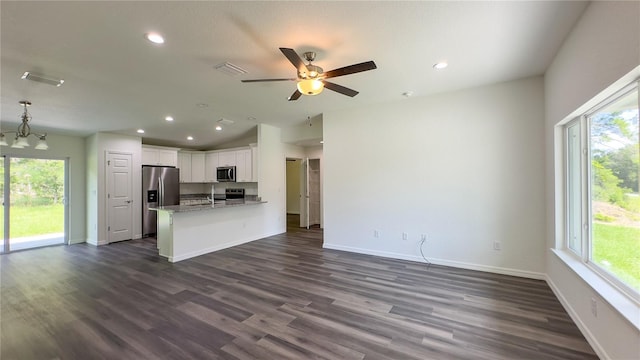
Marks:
<point>594,307</point>
<point>497,245</point>
<point>405,236</point>
<point>423,237</point>
<point>376,233</point>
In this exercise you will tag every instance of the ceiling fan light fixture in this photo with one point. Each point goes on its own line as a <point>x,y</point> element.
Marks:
<point>310,87</point>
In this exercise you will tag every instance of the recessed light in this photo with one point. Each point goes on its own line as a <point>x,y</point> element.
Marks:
<point>169,118</point>
<point>440,65</point>
<point>321,141</point>
<point>407,93</point>
<point>202,105</point>
<point>140,131</point>
<point>189,138</point>
<point>218,127</point>
<point>154,38</point>
<point>251,118</point>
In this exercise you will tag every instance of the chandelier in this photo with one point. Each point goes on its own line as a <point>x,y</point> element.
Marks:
<point>24,130</point>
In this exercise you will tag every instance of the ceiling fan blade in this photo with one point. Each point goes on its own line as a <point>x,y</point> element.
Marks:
<point>294,58</point>
<point>265,80</point>
<point>339,88</point>
<point>295,96</point>
<point>351,69</point>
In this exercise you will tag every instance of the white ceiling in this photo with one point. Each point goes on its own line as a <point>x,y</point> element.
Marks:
<point>116,81</point>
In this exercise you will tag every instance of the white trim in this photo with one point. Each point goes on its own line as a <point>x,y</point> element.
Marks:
<point>588,267</point>
<point>623,304</point>
<point>584,329</point>
<point>452,263</point>
<point>76,241</point>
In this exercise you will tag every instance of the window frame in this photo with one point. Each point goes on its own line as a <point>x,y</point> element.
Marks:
<point>586,214</point>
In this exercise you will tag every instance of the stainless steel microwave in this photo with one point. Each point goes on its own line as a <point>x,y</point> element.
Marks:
<point>226,174</point>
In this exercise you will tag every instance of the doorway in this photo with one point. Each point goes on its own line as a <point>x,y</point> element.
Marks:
<point>303,192</point>
<point>33,202</point>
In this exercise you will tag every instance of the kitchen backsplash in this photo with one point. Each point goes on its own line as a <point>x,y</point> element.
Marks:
<point>192,189</point>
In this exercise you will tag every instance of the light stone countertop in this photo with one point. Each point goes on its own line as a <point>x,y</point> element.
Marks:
<point>218,204</point>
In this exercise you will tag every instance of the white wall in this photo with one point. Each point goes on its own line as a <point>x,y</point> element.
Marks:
<point>603,47</point>
<point>271,179</point>
<point>71,148</point>
<point>303,133</point>
<point>96,149</point>
<point>465,168</point>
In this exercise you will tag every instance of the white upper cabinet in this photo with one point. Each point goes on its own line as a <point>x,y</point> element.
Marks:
<point>254,162</point>
<point>227,158</point>
<point>243,165</point>
<point>200,166</point>
<point>159,156</point>
<point>197,167</point>
<point>184,164</point>
<point>192,167</point>
<point>210,165</point>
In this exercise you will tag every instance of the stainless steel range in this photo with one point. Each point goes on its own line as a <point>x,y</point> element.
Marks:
<point>234,194</point>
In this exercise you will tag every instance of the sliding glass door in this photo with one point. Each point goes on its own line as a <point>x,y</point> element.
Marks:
<point>33,202</point>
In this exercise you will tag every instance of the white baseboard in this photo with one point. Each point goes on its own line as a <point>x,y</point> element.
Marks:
<point>456,264</point>
<point>602,354</point>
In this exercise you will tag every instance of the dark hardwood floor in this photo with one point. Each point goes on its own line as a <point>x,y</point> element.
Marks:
<point>282,297</point>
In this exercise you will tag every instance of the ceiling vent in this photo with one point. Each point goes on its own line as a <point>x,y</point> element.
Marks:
<point>230,69</point>
<point>225,121</point>
<point>42,79</point>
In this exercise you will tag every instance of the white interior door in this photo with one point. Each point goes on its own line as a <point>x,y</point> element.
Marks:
<point>119,191</point>
<point>304,194</point>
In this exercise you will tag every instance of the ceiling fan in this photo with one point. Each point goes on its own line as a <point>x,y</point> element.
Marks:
<point>311,78</point>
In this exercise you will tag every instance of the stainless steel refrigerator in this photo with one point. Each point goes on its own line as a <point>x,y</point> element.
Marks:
<point>160,187</point>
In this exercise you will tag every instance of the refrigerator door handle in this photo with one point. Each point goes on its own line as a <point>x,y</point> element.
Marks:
<point>160,192</point>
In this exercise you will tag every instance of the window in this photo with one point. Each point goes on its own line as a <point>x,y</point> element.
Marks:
<point>602,155</point>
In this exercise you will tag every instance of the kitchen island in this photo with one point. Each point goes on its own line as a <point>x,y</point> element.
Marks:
<point>186,231</point>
